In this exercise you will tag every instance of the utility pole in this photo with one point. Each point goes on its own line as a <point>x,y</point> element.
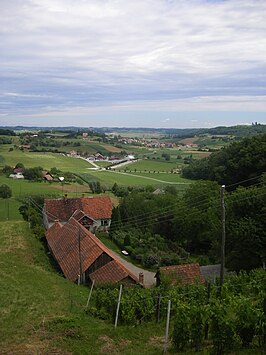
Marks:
<point>222,239</point>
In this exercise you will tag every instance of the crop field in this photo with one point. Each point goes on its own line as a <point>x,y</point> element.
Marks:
<point>196,154</point>
<point>213,141</point>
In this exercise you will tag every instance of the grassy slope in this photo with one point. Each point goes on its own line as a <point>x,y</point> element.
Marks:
<point>138,179</point>
<point>41,312</point>
<point>167,177</point>
<point>45,160</point>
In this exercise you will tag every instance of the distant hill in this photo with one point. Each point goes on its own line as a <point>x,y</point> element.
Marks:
<point>238,131</point>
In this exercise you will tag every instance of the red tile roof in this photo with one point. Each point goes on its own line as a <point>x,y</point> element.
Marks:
<point>185,274</point>
<point>63,242</point>
<point>111,272</point>
<point>78,215</point>
<point>18,170</point>
<point>99,207</point>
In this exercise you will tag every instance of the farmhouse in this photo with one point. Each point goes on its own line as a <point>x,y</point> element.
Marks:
<point>94,212</point>
<point>180,274</point>
<point>17,173</point>
<point>83,257</point>
<point>17,176</point>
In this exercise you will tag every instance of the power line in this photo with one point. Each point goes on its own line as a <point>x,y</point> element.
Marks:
<point>241,182</point>
<point>178,212</point>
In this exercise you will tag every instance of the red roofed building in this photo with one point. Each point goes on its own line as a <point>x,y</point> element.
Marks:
<point>79,252</point>
<point>180,274</point>
<point>95,212</point>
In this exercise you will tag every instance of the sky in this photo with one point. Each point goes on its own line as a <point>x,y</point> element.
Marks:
<point>132,63</point>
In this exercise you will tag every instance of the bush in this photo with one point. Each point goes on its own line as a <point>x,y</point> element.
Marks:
<point>7,170</point>
<point>5,191</point>
<point>151,260</point>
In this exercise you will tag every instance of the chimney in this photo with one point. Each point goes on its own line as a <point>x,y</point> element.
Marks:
<point>141,278</point>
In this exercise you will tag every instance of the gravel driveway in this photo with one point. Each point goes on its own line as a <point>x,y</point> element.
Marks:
<point>149,279</point>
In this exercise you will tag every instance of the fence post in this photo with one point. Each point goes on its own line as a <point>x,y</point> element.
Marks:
<point>158,306</point>
<point>167,327</point>
<point>89,297</point>
<point>118,305</point>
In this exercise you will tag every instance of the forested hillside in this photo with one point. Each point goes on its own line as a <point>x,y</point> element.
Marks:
<point>170,228</point>
<point>237,162</point>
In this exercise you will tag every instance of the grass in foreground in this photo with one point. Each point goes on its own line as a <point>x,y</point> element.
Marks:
<point>41,312</point>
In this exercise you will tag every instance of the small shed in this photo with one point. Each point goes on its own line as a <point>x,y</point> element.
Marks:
<point>184,274</point>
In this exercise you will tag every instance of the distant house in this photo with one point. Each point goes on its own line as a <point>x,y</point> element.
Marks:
<point>180,274</point>
<point>97,210</point>
<point>17,176</point>
<point>17,173</point>
<point>82,256</point>
<point>47,176</point>
<point>25,146</point>
<point>99,156</point>
<point>73,153</point>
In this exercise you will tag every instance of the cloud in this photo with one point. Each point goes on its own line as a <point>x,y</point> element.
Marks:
<point>64,55</point>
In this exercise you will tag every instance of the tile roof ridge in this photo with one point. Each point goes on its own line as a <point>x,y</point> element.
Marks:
<point>81,211</point>
<point>57,224</point>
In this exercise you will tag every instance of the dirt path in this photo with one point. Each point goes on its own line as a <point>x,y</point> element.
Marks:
<point>149,279</point>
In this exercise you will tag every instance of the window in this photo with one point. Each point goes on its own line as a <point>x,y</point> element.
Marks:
<point>104,222</point>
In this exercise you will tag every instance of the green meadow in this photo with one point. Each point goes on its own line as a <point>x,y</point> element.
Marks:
<point>21,188</point>
<point>165,177</point>
<point>137,179</point>
<point>150,165</point>
<point>45,160</point>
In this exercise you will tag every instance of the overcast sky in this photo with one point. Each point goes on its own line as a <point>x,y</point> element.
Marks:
<point>145,63</point>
